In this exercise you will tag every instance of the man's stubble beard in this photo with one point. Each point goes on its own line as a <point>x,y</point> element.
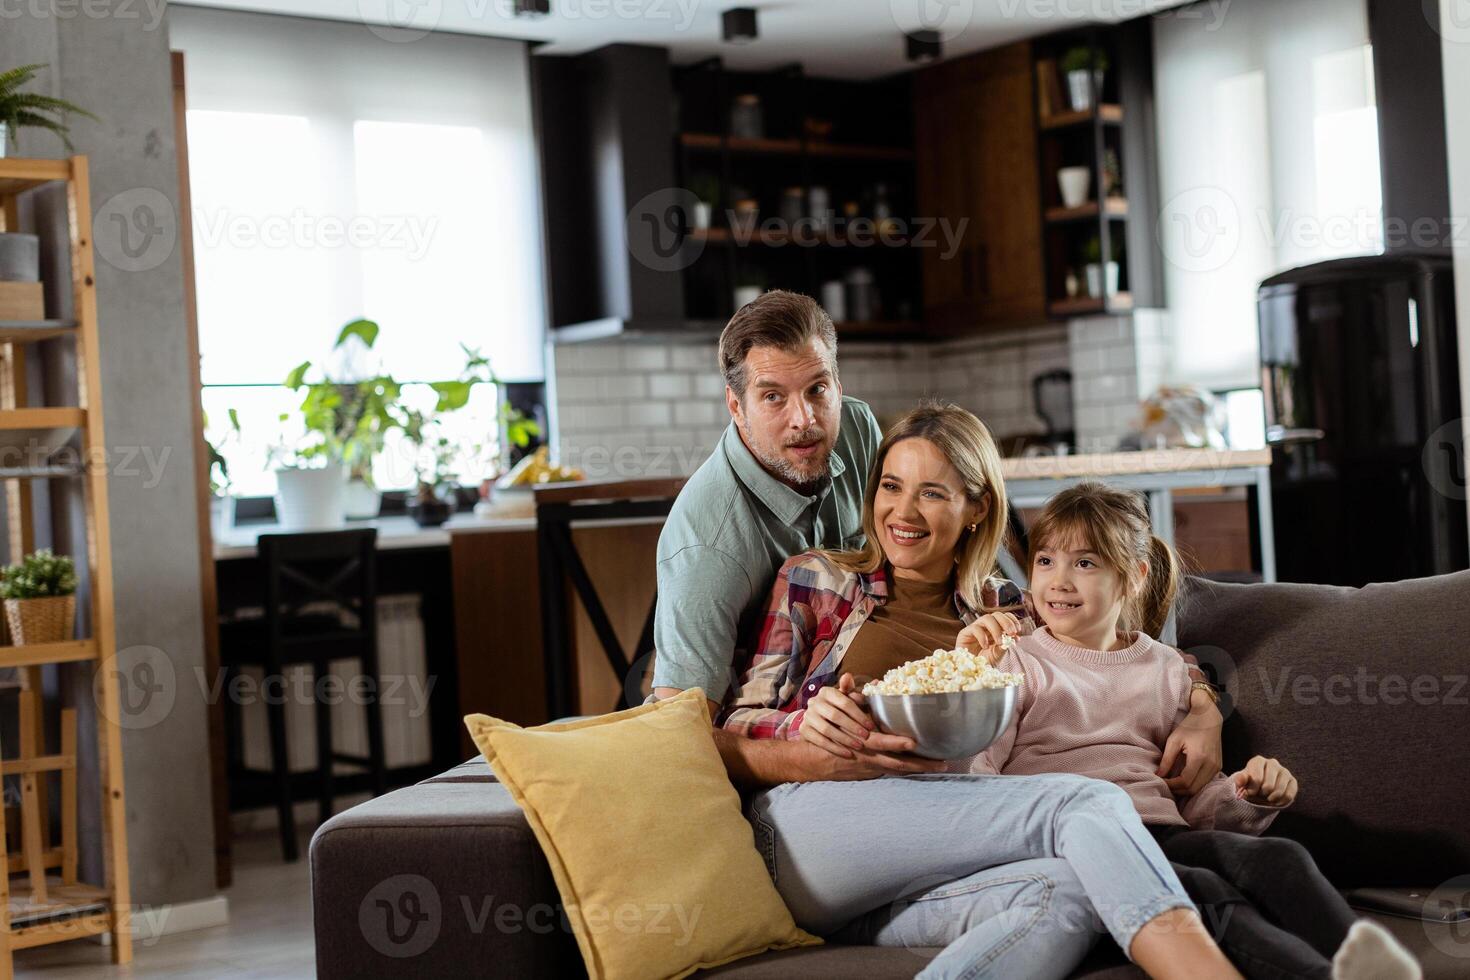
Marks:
<point>804,482</point>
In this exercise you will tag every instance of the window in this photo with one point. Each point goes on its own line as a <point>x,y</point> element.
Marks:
<point>337,175</point>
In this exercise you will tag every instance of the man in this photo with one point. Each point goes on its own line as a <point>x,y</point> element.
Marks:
<point>788,476</point>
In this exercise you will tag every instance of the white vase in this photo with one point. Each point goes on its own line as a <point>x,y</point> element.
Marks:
<point>4,139</point>
<point>1099,278</point>
<point>1079,93</point>
<point>702,212</point>
<point>1074,183</point>
<point>361,501</point>
<point>311,498</point>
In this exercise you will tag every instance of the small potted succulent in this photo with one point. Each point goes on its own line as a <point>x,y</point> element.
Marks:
<point>20,109</point>
<point>40,598</point>
<point>1085,69</point>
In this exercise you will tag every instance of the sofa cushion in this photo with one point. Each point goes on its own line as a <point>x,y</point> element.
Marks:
<point>1363,694</point>
<point>655,863</point>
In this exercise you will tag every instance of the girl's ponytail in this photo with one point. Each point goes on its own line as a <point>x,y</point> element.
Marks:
<point>1156,596</point>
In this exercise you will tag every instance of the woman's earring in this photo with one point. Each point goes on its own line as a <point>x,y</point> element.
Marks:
<point>972,527</point>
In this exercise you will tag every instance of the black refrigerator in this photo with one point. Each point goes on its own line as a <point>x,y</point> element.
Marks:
<point>1362,393</point>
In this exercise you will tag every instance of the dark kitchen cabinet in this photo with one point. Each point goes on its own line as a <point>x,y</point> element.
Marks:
<point>976,163</point>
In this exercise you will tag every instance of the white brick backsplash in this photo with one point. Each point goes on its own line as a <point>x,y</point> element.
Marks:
<point>587,358</point>
<point>645,357</point>
<point>625,387</point>
<point>696,413</point>
<point>650,414</point>
<point>668,386</point>
<point>599,417</point>
<point>692,357</point>
<point>581,388</point>
<point>710,386</point>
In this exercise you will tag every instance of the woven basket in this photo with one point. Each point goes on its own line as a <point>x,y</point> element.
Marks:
<point>49,620</point>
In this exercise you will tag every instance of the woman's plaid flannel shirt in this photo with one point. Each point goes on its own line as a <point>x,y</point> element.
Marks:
<point>816,609</point>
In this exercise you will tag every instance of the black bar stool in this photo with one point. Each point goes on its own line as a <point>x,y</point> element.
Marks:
<point>320,606</point>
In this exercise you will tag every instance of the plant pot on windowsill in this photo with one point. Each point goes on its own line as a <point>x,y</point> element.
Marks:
<point>428,509</point>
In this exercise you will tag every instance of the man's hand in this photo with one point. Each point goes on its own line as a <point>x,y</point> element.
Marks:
<point>1265,781</point>
<point>1197,739</point>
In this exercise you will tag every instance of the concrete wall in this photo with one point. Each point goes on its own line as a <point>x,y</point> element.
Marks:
<point>114,60</point>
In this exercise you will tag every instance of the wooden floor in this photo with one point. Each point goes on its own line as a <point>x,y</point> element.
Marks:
<point>268,935</point>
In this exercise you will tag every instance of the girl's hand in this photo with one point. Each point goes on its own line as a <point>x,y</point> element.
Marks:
<point>986,631</point>
<point>1265,781</point>
<point>837,719</point>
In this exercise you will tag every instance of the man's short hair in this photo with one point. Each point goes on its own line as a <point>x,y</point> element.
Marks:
<point>780,319</point>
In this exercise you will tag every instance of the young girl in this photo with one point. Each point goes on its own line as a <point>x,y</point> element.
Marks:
<point>1100,698</point>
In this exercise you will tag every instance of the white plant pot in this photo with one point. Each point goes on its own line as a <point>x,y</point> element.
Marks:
<point>361,501</point>
<point>1099,278</point>
<point>4,139</point>
<point>221,515</point>
<point>746,294</point>
<point>311,498</point>
<point>1074,183</point>
<point>1079,93</point>
<point>702,214</point>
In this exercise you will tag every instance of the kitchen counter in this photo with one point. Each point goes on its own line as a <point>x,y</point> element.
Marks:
<point>393,533</point>
<point>1104,466</point>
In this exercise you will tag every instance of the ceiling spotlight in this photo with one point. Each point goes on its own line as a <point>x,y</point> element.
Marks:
<point>739,25</point>
<point>925,46</point>
<point>532,8</point>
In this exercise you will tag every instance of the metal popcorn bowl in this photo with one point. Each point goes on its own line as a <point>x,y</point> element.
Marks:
<point>946,726</point>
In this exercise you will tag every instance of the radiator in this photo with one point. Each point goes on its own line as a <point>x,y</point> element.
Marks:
<point>403,668</point>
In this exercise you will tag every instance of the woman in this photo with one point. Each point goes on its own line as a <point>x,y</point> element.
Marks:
<point>1011,875</point>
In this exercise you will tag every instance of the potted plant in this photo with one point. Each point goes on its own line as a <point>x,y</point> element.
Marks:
<point>19,109</point>
<point>221,502</point>
<point>433,500</point>
<point>1085,68</point>
<point>348,422</point>
<point>706,189</point>
<point>1101,278</point>
<point>40,598</point>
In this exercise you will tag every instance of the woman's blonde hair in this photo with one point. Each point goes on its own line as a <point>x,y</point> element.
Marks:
<point>1114,523</point>
<point>967,445</point>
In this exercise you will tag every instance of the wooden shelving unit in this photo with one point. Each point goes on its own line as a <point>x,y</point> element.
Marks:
<point>47,903</point>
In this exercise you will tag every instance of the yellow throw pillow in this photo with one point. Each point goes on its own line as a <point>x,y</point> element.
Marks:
<point>657,869</point>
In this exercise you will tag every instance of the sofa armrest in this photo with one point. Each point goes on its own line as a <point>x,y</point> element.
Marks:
<point>440,879</point>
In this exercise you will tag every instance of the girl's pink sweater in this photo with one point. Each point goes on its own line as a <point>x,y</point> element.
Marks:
<point>1106,714</point>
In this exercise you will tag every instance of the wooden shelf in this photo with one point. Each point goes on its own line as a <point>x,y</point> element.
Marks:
<point>1083,305</point>
<point>62,906</point>
<point>877,329</point>
<point>19,174</point>
<point>777,239</point>
<point>26,331</point>
<point>33,654</point>
<point>794,147</point>
<point>1115,207</point>
<point>1110,113</point>
<point>42,418</point>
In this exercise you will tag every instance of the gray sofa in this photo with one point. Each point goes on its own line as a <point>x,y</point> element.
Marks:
<point>1362,693</point>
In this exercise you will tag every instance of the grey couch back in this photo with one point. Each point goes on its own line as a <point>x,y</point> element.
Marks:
<point>1365,695</point>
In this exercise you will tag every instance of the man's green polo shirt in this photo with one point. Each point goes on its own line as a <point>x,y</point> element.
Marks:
<point>729,532</point>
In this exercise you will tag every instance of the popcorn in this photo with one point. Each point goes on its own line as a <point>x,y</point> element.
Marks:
<point>945,672</point>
